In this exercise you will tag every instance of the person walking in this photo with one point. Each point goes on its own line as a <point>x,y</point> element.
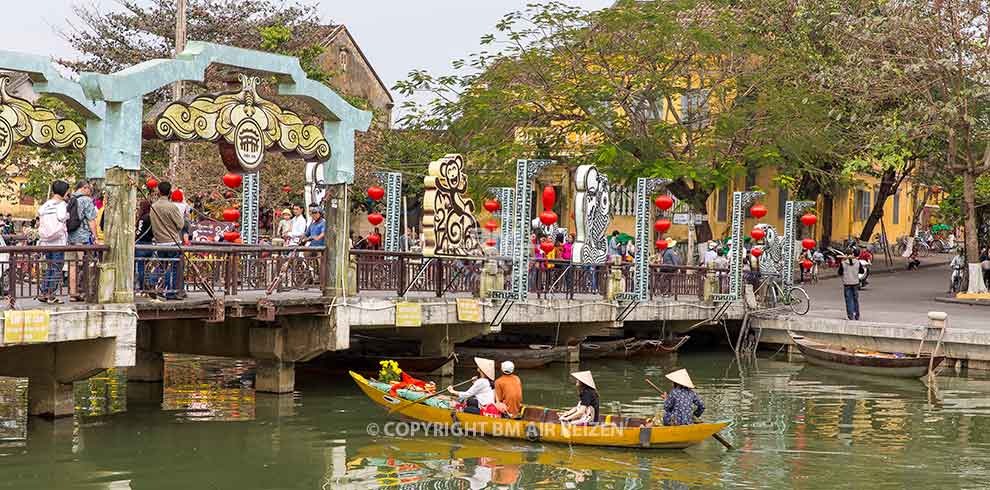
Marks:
<point>849,269</point>
<point>81,226</point>
<point>166,229</point>
<point>52,232</point>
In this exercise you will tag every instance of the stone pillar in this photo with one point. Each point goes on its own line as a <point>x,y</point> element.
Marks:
<point>492,278</point>
<point>49,398</point>
<point>119,223</point>
<point>616,282</point>
<point>432,346</point>
<point>273,376</point>
<point>573,354</point>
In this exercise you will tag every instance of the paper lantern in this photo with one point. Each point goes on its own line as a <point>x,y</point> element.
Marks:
<point>374,239</point>
<point>757,252</point>
<point>375,219</point>
<point>232,180</point>
<point>662,225</point>
<point>757,233</point>
<point>664,202</point>
<point>492,206</point>
<point>808,243</point>
<point>546,246</point>
<point>490,242</point>
<point>491,226</point>
<point>806,264</point>
<point>809,219</point>
<point>662,244</point>
<point>549,197</point>
<point>548,218</point>
<point>376,193</point>
<point>758,211</point>
<point>231,215</point>
<point>286,189</point>
<point>230,236</point>
<point>151,183</point>
<point>177,195</point>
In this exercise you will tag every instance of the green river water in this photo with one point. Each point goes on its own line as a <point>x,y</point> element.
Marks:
<point>795,427</point>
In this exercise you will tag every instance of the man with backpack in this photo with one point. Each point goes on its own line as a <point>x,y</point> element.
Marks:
<point>52,216</point>
<point>166,229</point>
<point>82,231</point>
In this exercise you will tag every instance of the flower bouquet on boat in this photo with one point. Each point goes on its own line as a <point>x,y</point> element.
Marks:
<point>484,409</point>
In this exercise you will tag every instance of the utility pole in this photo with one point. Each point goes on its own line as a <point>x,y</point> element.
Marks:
<point>180,45</point>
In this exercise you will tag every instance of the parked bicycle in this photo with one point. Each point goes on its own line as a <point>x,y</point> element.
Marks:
<point>776,295</point>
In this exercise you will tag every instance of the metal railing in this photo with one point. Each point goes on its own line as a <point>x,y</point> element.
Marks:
<point>61,272</point>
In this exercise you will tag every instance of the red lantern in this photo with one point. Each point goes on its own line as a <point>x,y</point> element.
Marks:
<point>662,225</point>
<point>809,219</point>
<point>375,219</point>
<point>177,195</point>
<point>548,218</point>
<point>757,252</point>
<point>286,189</point>
<point>151,183</point>
<point>757,233</point>
<point>758,211</point>
<point>374,239</point>
<point>806,264</point>
<point>549,197</point>
<point>230,236</point>
<point>808,243</point>
<point>491,226</point>
<point>546,246</point>
<point>231,214</point>
<point>664,202</point>
<point>490,242</point>
<point>492,206</point>
<point>662,244</point>
<point>232,180</point>
<point>376,193</point>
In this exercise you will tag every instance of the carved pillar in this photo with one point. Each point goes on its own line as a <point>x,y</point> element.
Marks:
<point>119,223</point>
<point>741,201</point>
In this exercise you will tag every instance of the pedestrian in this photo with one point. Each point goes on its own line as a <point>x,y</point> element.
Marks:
<point>316,232</point>
<point>670,255</point>
<point>298,231</point>
<point>52,232</point>
<point>142,236</point>
<point>166,229</point>
<point>613,245</point>
<point>631,251</point>
<point>81,226</point>
<point>681,405</point>
<point>284,228</point>
<point>708,260</point>
<point>508,391</point>
<point>849,269</point>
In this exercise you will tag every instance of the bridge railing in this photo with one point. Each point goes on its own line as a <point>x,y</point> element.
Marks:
<point>46,271</point>
<point>226,270</point>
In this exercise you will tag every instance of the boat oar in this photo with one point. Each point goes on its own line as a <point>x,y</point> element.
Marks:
<point>718,437</point>
<point>421,400</point>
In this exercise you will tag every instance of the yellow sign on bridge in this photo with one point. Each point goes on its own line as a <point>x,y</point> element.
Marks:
<point>24,326</point>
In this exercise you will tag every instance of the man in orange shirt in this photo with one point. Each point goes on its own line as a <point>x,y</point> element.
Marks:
<point>508,391</point>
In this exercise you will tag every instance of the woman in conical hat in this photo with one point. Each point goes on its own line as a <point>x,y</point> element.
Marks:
<point>586,411</point>
<point>480,397</point>
<point>681,405</point>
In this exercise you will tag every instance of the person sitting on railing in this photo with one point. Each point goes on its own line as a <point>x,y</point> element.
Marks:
<point>52,216</point>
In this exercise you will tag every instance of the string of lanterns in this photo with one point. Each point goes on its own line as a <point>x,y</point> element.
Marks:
<point>492,206</point>
<point>376,194</point>
<point>663,202</point>
<point>548,217</point>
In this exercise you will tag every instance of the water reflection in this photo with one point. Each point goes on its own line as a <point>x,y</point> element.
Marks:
<point>201,388</point>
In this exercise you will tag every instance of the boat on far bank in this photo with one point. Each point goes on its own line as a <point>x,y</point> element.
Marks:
<point>523,356</point>
<point>628,347</point>
<point>875,363</point>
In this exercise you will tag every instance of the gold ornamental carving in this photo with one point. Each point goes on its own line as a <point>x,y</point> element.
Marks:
<point>449,225</point>
<point>21,121</point>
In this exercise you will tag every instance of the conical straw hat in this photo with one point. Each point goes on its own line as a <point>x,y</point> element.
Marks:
<point>487,366</point>
<point>681,377</point>
<point>586,378</point>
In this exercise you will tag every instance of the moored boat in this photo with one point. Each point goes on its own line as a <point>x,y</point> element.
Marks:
<point>610,348</point>
<point>876,363</point>
<point>344,361</point>
<point>524,357</point>
<point>542,424</point>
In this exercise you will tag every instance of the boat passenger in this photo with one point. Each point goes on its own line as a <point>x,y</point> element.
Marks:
<point>681,405</point>
<point>480,397</point>
<point>586,411</point>
<point>508,391</point>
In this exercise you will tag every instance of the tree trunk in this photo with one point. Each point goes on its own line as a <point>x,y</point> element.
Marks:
<point>976,284</point>
<point>888,186</point>
<point>828,202</point>
<point>918,208</point>
<point>697,199</point>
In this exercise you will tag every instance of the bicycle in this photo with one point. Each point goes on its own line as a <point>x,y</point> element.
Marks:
<point>794,297</point>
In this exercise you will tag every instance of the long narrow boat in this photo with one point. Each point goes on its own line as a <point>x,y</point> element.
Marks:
<point>610,348</point>
<point>876,363</point>
<point>344,361</point>
<point>542,424</point>
<point>524,357</point>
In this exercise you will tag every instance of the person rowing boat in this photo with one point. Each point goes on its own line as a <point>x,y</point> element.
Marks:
<point>681,405</point>
<point>480,397</point>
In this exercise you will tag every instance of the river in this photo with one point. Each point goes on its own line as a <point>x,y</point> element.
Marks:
<point>795,427</point>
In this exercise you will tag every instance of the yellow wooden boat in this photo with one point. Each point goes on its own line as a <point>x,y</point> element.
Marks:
<point>542,424</point>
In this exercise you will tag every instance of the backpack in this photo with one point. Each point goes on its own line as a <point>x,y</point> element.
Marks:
<point>49,227</point>
<point>74,220</point>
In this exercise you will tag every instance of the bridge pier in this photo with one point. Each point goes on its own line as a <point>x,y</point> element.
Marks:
<point>274,376</point>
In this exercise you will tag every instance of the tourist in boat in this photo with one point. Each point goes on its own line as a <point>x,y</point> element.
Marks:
<point>586,411</point>
<point>508,391</point>
<point>681,405</point>
<point>480,397</point>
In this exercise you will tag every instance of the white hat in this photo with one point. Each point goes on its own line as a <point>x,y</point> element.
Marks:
<point>712,245</point>
<point>586,378</point>
<point>487,366</point>
<point>508,367</point>
<point>671,242</point>
<point>681,377</point>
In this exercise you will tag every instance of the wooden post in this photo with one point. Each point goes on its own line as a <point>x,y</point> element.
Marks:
<point>334,267</point>
<point>119,222</point>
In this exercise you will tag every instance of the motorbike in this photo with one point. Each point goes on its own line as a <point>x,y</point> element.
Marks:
<point>864,276</point>
<point>956,280</point>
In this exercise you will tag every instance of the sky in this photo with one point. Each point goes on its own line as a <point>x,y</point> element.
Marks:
<point>396,35</point>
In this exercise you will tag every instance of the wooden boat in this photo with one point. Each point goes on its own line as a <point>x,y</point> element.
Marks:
<point>542,424</point>
<point>524,357</point>
<point>610,349</point>
<point>344,361</point>
<point>646,347</point>
<point>876,363</point>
